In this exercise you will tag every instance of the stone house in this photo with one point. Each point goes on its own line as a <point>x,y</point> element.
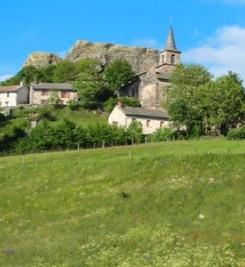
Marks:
<point>40,93</point>
<point>151,119</point>
<point>14,95</point>
<point>149,86</point>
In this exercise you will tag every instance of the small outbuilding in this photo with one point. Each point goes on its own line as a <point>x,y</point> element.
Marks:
<point>14,95</point>
<point>151,119</point>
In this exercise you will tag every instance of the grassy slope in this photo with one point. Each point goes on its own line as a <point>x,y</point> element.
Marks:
<point>82,117</point>
<point>170,204</point>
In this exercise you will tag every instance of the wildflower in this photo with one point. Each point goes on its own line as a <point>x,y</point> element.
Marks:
<point>201,216</point>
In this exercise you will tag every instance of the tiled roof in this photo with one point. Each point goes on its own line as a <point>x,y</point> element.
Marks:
<point>11,88</point>
<point>52,86</point>
<point>145,112</point>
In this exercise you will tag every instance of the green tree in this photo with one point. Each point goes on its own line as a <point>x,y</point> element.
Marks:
<point>91,87</point>
<point>202,105</point>
<point>65,71</point>
<point>222,103</point>
<point>182,99</point>
<point>118,73</point>
<point>54,99</point>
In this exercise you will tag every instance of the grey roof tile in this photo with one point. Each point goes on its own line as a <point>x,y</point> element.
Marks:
<point>145,112</point>
<point>53,86</point>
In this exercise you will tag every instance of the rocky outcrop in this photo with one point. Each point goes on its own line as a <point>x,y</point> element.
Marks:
<point>40,59</point>
<point>141,59</point>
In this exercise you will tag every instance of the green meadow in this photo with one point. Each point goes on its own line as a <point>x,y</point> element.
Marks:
<point>175,204</point>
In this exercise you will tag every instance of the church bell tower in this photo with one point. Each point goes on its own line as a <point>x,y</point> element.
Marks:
<point>170,55</point>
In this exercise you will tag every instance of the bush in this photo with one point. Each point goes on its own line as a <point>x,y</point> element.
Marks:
<point>68,135</point>
<point>127,101</point>
<point>167,134</point>
<point>73,104</point>
<point>236,134</point>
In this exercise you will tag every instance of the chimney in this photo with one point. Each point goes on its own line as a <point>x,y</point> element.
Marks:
<point>120,104</point>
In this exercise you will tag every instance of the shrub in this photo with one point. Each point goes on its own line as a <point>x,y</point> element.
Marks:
<point>236,134</point>
<point>167,134</point>
<point>127,101</point>
<point>73,104</point>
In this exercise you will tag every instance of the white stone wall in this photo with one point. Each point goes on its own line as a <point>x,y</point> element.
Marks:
<point>8,99</point>
<point>117,117</point>
<point>154,124</point>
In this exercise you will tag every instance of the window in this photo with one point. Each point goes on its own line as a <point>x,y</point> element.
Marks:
<point>44,93</point>
<point>162,124</point>
<point>173,59</point>
<point>7,94</point>
<point>148,123</point>
<point>6,104</point>
<point>65,95</point>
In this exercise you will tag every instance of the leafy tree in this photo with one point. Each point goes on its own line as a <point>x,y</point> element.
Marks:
<point>118,73</point>
<point>31,74</point>
<point>202,105</point>
<point>222,104</point>
<point>47,73</point>
<point>182,98</point>
<point>91,87</point>
<point>65,71</point>
<point>54,99</point>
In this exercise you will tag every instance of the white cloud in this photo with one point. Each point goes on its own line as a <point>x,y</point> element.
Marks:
<point>222,52</point>
<point>5,77</point>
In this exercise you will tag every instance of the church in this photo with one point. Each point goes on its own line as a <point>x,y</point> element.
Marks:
<point>148,86</point>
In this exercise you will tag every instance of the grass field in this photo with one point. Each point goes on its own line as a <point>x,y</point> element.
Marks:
<point>167,204</point>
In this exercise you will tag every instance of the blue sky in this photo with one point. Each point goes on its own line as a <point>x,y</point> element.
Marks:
<point>211,32</point>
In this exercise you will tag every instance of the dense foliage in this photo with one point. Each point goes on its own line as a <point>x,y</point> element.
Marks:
<point>94,83</point>
<point>68,135</point>
<point>126,101</point>
<point>237,134</point>
<point>204,106</point>
<point>118,73</point>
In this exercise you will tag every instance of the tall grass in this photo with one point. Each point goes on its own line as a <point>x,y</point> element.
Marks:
<point>170,204</point>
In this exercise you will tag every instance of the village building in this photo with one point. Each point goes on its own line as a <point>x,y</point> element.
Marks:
<point>150,119</point>
<point>41,93</point>
<point>149,86</point>
<point>14,95</point>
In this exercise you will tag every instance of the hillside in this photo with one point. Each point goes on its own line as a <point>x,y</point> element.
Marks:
<point>167,204</point>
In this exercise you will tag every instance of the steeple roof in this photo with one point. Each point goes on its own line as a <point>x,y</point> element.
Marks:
<point>170,43</point>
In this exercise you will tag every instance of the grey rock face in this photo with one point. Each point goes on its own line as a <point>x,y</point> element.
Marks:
<point>41,59</point>
<point>141,59</point>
